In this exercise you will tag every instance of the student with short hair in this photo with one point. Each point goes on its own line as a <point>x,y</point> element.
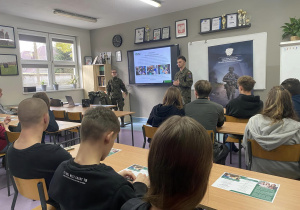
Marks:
<point>209,114</point>
<point>293,86</point>
<point>84,182</point>
<point>27,157</point>
<point>172,105</point>
<point>245,105</point>
<point>275,126</point>
<point>179,165</point>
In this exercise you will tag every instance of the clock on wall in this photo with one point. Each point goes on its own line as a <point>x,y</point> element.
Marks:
<point>117,40</point>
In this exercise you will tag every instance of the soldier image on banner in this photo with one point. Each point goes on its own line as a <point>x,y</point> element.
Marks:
<point>114,89</point>
<point>183,80</point>
<point>231,83</point>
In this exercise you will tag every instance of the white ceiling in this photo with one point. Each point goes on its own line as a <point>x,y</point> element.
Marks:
<point>109,12</point>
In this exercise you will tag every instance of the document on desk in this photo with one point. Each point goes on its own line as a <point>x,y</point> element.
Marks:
<point>247,186</point>
<point>113,151</point>
<point>137,169</point>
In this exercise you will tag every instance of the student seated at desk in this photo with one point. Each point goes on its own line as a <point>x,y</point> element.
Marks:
<point>245,105</point>
<point>3,142</point>
<point>52,126</point>
<point>208,113</point>
<point>2,110</point>
<point>172,105</point>
<point>293,86</point>
<point>84,182</point>
<point>276,126</point>
<point>179,165</point>
<point>27,157</point>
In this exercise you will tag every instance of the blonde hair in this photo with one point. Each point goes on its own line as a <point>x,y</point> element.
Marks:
<point>173,97</point>
<point>279,105</point>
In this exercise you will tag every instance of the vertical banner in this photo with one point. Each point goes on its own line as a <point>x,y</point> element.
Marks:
<point>226,63</point>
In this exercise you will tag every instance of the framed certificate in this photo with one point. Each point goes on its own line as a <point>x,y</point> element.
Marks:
<point>165,32</point>
<point>232,20</point>
<point>216,23</point>
<point>205,25</point>
<point>156,34</point>
<point>139,35</point>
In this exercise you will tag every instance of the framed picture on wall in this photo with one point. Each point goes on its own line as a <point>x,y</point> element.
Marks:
<point>156,34</point>
<point>232,20</point>
<point>205,25</point>
<point>165,33</point>
<point>216,23</point>
<point>139,35</point>
<point>8,65</point>
<point>88,60</point>
<point>181,28</point>
<point>7,37</point>
<point>118,56</point>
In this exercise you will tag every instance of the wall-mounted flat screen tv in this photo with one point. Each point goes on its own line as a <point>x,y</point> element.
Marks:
<point>153,66</point>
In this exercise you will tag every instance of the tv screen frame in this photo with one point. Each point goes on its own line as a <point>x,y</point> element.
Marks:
<point>174,53</point>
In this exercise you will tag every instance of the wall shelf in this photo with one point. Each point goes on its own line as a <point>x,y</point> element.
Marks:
<point>226,29</point>
<point>144,42</point>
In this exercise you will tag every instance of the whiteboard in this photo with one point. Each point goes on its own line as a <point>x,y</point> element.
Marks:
<point>289,60</point>
<point>198,56</point>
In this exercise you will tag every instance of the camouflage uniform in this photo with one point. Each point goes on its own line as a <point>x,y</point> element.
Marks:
<point>185,78</point>
<point>231,84</point>
<point>114,87</point>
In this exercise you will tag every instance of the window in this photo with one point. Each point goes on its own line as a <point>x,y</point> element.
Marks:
<point>47,58</point>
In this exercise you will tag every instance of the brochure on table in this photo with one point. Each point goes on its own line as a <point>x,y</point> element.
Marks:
<point>247,186</point>
<point>113,151</point>
<point>137,169</point>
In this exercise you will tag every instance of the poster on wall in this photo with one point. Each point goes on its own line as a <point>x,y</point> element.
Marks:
<point>226,63</point>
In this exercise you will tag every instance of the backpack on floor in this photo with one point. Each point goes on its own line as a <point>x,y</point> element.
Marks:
<point>220,153</point>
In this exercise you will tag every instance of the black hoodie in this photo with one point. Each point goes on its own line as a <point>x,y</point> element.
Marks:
<point>160,113</point>
<point>244,106</point>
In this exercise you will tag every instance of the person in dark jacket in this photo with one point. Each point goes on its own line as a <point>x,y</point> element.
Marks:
<point>293,86</point>
<point>245,105</point>
<point>172,105</point>
<point>84,182</point>
<point>52,126</point>
<point>178,180</point>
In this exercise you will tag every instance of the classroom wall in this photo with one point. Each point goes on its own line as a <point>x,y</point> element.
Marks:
<point>267,16</point>
<point>12,85</point>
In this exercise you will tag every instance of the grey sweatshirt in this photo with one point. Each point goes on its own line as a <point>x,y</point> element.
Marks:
<point>270,136</point>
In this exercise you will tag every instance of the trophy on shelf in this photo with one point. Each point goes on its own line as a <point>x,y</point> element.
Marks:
<point>244,17</point>
<point>223,21</point>
<point>147,30</point>
<point>240,17</point>
<point>248,19</point>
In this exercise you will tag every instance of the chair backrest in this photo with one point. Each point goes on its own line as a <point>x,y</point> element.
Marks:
<point>11,136</point>
<point>59,114</point>
<point>74,116</point>
<point>234,119</point>
<point>285,153</point>
<point>211,134</point>
<point>31,188</point>
<point>149,131</point>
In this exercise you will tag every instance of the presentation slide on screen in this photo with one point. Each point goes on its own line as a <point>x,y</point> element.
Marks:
<point>153,65</point>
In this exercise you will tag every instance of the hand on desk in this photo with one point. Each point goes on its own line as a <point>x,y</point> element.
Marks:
<point>131,177</point>
<point>7,120</point>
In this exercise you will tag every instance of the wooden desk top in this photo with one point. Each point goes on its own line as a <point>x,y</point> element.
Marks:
<point>288,195</point>
<point>232,128</point>
<point>65,125</point>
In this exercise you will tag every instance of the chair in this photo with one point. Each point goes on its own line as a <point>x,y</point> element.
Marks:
<point>284,153</point>
<point>34,189</point>
<point>211,134</point>
<point>235,139</point>
<point>10,138</point>
<point>59,114</point>
<point>148,132</point>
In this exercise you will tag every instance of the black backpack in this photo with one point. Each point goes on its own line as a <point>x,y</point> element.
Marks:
<point>220,153</point>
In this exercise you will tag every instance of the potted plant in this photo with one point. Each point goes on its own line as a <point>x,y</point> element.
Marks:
<point>292,29</point>
<point>55,86</point>
<point>43,85</point>
<point>73,81</point>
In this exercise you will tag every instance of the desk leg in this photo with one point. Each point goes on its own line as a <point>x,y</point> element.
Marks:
<point>240,153</point>
<point>132,130</point>
<point>118,138</point>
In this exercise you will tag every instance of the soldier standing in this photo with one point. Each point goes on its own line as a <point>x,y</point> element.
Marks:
<point>183,80</point>
<point>231,83</point>
<point>114,89</point>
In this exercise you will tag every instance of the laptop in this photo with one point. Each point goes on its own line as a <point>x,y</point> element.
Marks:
<point>71,101</point>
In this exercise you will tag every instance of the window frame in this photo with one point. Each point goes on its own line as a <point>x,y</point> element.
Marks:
<point>50,62</point>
